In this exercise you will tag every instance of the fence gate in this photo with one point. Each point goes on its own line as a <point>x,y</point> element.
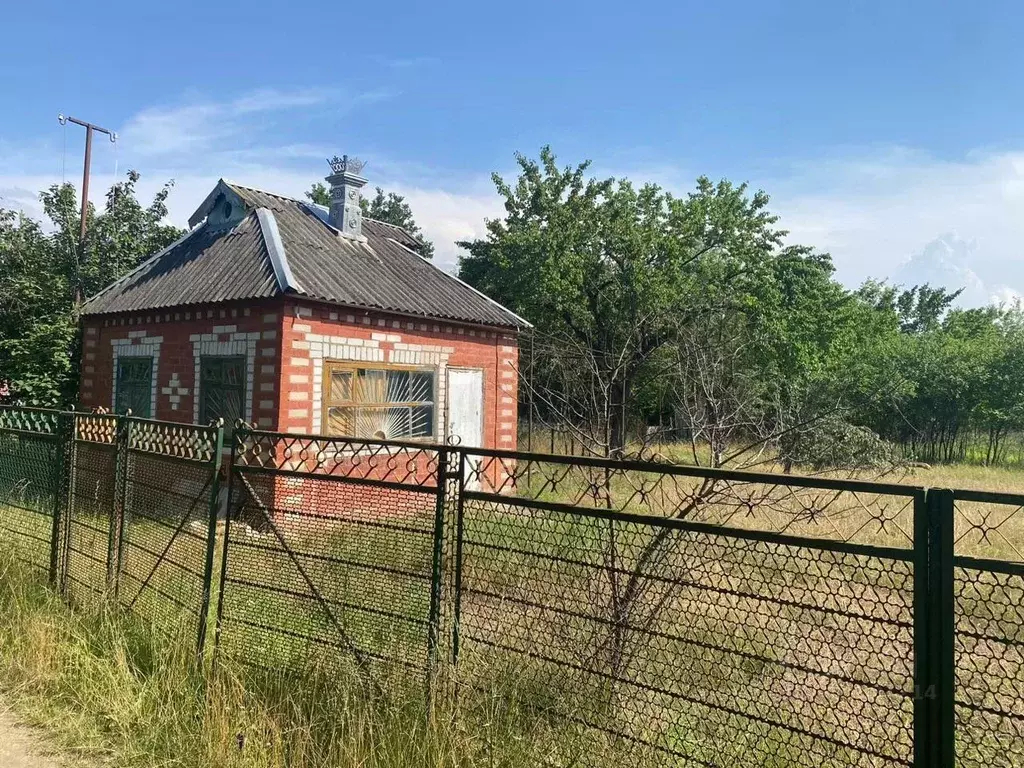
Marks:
<point>332,553</point>
<point>87,531</point>
<point>169,482</point>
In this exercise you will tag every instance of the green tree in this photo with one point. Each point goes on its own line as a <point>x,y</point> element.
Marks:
<point>611,273</point>
<point>388,207</point>
<point>40,270</point>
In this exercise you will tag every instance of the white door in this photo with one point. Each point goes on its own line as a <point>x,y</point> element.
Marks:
<point>466,412</point>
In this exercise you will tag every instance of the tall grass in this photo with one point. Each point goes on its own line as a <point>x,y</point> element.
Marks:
<point>108,686</point>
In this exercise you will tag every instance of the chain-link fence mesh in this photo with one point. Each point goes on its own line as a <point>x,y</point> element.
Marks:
<point>600,602</point>
<point>615,613</point>
<point>171,489</point>
<point>134,500</point>
<point>331,554</point>
<point>988,580</point>
<point>29,443</point>
<point>88,527</point>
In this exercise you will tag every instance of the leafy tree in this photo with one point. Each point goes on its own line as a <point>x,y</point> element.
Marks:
<point>611,274</point>
<point>391,208</point>
<point>40,271</point>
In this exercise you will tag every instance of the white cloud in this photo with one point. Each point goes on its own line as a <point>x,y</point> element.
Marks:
<point>198,125</point>
<point>882,212</point>
<point>885,215</point>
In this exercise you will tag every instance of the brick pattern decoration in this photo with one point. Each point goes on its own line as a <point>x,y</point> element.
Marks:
<point>177,340</point>
<point>225,341</point>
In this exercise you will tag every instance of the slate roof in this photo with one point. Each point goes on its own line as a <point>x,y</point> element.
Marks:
<point>285,246</point>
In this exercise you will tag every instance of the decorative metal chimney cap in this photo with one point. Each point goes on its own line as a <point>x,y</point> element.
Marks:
<point>346,164</point>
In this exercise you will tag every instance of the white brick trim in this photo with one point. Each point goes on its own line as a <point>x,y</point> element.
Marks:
<point>240,345</point>
<point>138,344</point>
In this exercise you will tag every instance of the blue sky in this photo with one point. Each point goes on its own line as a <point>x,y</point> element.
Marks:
<point>889,133</point>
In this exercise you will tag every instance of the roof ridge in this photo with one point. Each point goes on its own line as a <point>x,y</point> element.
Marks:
<point>275,251</point>
<point>317,205</point>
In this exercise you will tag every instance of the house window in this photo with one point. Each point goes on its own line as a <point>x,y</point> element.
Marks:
<point>379,403</point>
<point>221,390</point>
<point>135,386</point>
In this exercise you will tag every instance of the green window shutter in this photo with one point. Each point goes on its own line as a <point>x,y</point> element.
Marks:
<point>135,386</point>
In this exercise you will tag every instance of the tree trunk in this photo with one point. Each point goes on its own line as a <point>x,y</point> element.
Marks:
<point>621,391</point>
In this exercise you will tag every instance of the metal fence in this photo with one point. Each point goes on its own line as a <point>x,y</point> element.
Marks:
<point>623,613</point>
<point>116,510</point>
<point>332,555</point>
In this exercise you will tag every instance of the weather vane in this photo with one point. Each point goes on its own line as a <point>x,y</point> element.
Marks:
<point>346,164</point>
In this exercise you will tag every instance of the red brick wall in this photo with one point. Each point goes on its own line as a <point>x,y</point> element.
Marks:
<point>312,334</point>
<point>287,343</point>
<point>252,330</point>
<point>312,496</point>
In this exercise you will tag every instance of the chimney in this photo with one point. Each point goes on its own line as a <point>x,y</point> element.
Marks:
<point>345,213</point>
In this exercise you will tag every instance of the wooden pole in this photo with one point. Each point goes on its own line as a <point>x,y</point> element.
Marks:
<point>89,128</point>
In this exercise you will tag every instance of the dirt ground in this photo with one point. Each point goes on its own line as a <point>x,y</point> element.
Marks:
<point>24,747</point>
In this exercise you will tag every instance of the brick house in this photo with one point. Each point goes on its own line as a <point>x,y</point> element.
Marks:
<point>303,319</point>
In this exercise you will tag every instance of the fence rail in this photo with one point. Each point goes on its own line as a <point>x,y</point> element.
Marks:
<point>645,614</point>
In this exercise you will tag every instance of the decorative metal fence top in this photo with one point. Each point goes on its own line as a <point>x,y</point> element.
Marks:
<point>822,508</point>
<point>181,441</point>
<point>96,428</point>
<point>405,463</point>
<point>39,420</point>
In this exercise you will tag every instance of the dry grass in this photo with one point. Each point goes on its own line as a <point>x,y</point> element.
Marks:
<point>109,687</point>
<point>759,646</point>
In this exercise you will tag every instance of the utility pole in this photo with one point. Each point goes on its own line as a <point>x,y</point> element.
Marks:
<point>89,128</point>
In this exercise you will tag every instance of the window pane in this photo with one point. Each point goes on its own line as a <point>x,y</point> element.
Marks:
<point>398,422</point>
<point>222,389</point>
<point>135,386</point>
<point>371,387</point>
<point>340,422</point>
<point>398,387</point>
<point>341,387</point>
<point>422,421</point>
<point>421,387</point>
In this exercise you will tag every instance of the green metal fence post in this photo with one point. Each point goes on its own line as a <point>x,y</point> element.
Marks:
<point>61,484</point>
<point>211,538</point>
<point>434,625</point>
<point>924,664</point>
<point>934,630</point>
<point>459,526</point>
<point>125,502</point>
<point>943,624</point>
<point>115,540</point>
